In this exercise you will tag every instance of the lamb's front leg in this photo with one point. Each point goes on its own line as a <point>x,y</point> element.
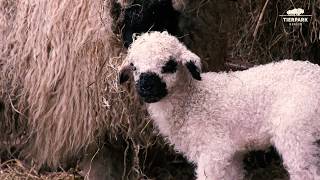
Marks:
<point>218,167</point>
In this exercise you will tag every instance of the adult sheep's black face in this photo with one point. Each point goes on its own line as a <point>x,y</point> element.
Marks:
<point>159,65</point>
<point>149,15</point>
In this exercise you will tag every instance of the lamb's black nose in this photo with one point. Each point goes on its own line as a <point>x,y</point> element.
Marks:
<point>146,86</point>
<point>150,87</point>
<point>149,81</point>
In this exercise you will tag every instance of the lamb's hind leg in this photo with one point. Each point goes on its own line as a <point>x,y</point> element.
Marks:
<point>219,167</point>
<point>299,151</point>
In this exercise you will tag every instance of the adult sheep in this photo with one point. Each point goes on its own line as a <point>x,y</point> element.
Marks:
<point>59,96</point>
<point>214,118</point>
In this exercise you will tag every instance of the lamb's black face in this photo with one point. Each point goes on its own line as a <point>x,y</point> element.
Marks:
<point>151,88</point>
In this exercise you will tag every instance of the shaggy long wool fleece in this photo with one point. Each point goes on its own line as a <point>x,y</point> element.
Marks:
<point>215,120</point>
<point>58,77</point>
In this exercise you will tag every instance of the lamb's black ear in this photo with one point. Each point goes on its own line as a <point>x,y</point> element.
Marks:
<point>192,63</point>
<point>194,70</point>
<point>125,73</point>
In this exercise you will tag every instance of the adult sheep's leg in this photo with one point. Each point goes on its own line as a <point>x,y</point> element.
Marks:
<point>220,167</point>
<point>104,163</point>
<point>299,151</point>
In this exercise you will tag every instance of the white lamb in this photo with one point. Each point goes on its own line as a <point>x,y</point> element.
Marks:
<point>214,118</point>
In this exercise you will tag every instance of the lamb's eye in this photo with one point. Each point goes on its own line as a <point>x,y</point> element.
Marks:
<point>133,67</point>
<point>170,67</point>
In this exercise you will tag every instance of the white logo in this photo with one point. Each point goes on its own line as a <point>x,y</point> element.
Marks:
<point>295,17</point>
<point>297,11</point>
